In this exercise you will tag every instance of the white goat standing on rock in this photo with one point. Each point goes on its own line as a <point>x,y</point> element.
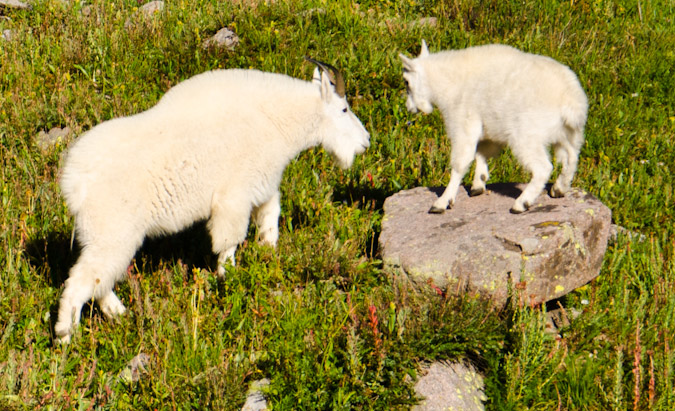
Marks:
<point>495,95</point>
<point>214,147</point>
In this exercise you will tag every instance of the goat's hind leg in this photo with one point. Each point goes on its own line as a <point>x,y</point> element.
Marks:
<point>536,161</point>
<point>568,156</point>
<point>484,151</point>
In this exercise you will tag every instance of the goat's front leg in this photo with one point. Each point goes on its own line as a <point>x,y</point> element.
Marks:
<point>463,152</point>
<point>484,151</point>
<point>227,225</point>
<point>94,275</point>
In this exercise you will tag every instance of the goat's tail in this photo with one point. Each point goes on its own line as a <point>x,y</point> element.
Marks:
<point>74,191</point>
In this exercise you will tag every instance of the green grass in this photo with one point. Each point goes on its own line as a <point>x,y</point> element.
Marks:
<point>320,316</point>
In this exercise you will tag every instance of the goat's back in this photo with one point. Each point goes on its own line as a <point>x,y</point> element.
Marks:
<point>501,79</point>
<point>215,127</point>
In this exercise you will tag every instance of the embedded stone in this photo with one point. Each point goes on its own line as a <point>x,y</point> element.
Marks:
<point>450,386</point>
<point>14,4</point>
<point>224,38</point>
<point>47,140</point>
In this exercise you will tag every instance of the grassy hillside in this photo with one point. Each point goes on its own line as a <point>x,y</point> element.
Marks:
<point>319,315</point>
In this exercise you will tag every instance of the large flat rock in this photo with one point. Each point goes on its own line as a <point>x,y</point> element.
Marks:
<point>480,247</point>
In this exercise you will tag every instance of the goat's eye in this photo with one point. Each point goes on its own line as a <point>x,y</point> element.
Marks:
<point>344,110</point>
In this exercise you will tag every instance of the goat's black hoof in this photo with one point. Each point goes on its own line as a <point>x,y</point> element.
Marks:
<point>436,210</point>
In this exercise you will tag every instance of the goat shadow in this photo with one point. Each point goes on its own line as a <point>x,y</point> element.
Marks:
<point>366,198</point>
<point>54,256</point>
<point>511,190</point>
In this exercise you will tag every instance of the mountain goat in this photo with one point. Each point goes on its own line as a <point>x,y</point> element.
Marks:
<point>214,147</point>
<point>495,95</point>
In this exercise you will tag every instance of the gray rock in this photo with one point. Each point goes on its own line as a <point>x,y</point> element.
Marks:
<point>313,11</point>
<point>616,230</point>
<point>144,14</point>
<point>151,8</point>
<point>7,35</point>
<point>14,4</point>
<point>87,10</point>
<point>255,400</point>
<point>450,387</point>
<point>425,22</point>
<point>224,38</point>
<point>559,318</point>
<point>480,247</point>
<point>46,140</point>
<point>136,366</point>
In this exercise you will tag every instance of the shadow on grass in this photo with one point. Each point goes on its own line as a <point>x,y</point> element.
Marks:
<point>366,198</point>
<point>53,255</point>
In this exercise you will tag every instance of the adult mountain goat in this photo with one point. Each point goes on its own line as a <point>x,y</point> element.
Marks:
<point>495,95</point>
<point>214,147</point>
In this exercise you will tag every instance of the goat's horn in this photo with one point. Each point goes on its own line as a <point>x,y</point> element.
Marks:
<point>333,74</point>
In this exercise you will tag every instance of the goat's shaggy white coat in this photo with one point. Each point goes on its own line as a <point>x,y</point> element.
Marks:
<point>495,95</point>
<point>214,147</point>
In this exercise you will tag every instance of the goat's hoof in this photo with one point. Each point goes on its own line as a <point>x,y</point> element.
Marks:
<point>477,191</point>
<point>519,208</point>
<point>557,193</point>
<point>436,210</point>
<point>65,340</point>
<point>62,334</point>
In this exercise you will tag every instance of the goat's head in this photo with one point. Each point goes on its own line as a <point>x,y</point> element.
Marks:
<point>416,83</point>
<point>342,134</point>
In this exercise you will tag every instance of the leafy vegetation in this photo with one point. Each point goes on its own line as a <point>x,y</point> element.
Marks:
<point>320,317</point>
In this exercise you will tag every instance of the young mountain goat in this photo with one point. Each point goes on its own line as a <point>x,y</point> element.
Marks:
<point>495,95</point>
<point>214,147</point>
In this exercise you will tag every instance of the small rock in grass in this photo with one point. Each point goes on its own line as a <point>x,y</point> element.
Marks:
<point>87,10</point>
<point>450,386</point>
<point>151,8</point>
<point>426,22</point>
<point>224,38</point>
<point>559,318</point>
<point>255,400</point>
<point>313,11</point>
<point>47,140</point>
<point>132,372</point>
<point>144,14</point>
<point>14,4</point>
<point>615,230</point>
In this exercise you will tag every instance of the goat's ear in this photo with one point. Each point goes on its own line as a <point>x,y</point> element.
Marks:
<point>408,64</point>
<point>316,76</point>
<point>327,89</point>
<point>424,51</point>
